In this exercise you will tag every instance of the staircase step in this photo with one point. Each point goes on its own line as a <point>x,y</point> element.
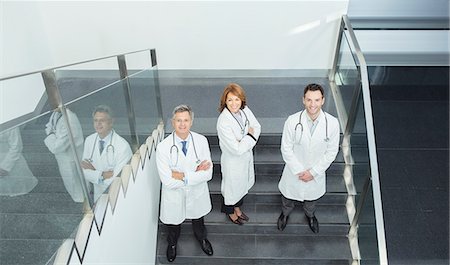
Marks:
<point>277,168</point>
<point>261,249</point>
<point>272,154</point>
<point>27,251</point>
<point>263,220</point>
<point>38,226</point>
<point>269,184</point>
<point>40,203</point>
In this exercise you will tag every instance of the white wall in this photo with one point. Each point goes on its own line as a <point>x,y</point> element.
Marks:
<point>186,34</point>
<point>129,235</point>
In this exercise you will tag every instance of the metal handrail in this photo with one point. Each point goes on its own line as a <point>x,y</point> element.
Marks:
<point>71,64</point>
<point>379,220</point>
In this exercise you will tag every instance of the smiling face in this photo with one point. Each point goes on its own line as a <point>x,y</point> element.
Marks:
<point>313,101</point>
<point>182,123</point>
<point>102,124</point>
<point>233,102</point>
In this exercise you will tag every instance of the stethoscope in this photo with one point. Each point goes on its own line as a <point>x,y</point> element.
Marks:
<point>246,123</point>
<point>109,150</point>
<point>301,126</point>
<point>178,150</point>
<point>55,121</point>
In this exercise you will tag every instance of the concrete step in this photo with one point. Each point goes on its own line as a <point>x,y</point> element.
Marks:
<point>38,226</point>
<point>27,251</point>
<point>261,249</point>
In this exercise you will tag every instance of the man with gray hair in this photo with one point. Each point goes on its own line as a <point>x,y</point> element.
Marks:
<point>105,152</point>
<point>184,165</point>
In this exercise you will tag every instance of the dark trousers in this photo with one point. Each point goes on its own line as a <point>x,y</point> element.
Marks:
<point>198,225</point>
<point>229,209</point>
<point>288,206</point>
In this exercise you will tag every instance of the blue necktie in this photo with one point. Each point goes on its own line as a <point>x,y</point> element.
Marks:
<point>102,146</point>
<point>184,148</point>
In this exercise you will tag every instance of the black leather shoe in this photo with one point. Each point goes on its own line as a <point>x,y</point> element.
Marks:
<point>282,222</point>
<point>313,224</point>
<point>171,253</point>
<point>206,246</point>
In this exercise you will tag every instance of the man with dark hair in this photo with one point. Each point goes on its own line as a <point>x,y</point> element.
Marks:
<point>309,144</point>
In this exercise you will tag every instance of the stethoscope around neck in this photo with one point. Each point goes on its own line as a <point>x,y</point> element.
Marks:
<point>177,150</point>
<point>109,149</point>
<point>246,123</point>
<point>301,127</point>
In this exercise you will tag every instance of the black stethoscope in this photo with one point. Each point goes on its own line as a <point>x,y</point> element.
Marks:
<point>109,149</point>
<point>301,126</point>
<point>178,150</point>
<point>246,123</point>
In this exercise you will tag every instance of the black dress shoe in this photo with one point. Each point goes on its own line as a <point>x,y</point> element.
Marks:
<point>282,222</point>
<point>171,253</point>
<point>206,246</point>
<point>313,224</point>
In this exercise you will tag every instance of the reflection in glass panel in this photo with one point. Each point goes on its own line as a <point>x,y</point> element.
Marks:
<point>78,80</point>
<point>58,143</point>
<point>104,120</point>
<point>16,177</point>
<point>36,204</point>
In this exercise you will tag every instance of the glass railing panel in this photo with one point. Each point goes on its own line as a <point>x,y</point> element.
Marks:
<point>138,61</point>
<point>39,205</point>
<point>15,104</point>
<point>104,114</point>
<point>347,76</point>
<point>81,79</point>
<point>144,95</point>
<point>367,232</point>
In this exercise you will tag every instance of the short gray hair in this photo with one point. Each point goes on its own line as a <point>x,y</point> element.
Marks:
<point>183,108</point>
<point>104,109</point>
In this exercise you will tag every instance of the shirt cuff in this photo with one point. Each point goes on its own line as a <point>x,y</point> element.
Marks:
<point>252,137</point>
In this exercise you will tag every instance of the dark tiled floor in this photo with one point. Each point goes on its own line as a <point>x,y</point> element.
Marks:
<point>411,115</point>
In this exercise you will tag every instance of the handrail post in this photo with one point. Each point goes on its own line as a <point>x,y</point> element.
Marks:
<point>55,100</point>
<point>156,82</point>
<point>128,102</point>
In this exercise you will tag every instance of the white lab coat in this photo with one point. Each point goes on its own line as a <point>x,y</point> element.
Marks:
<point>57,142</point>
<point>183,200</point>
<point>313,152</point>
<point>19,180</point>
<point>116,154</point>
<point>236,162</point>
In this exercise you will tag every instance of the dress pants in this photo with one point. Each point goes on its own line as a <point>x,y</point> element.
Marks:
<point>288,206</point>
<point>198,226</point>
<point>229,209</point>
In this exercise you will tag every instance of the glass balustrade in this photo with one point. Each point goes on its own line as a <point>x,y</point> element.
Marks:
<point>352,85</point>
<point>45,189</point>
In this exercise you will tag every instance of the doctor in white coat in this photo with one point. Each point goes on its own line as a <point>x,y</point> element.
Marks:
<point>57,142</point>
<point>105,152</point>
<point>238,131</point>
<point>184,165</point>
<point>309,144</point>
<point>16,177</point>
